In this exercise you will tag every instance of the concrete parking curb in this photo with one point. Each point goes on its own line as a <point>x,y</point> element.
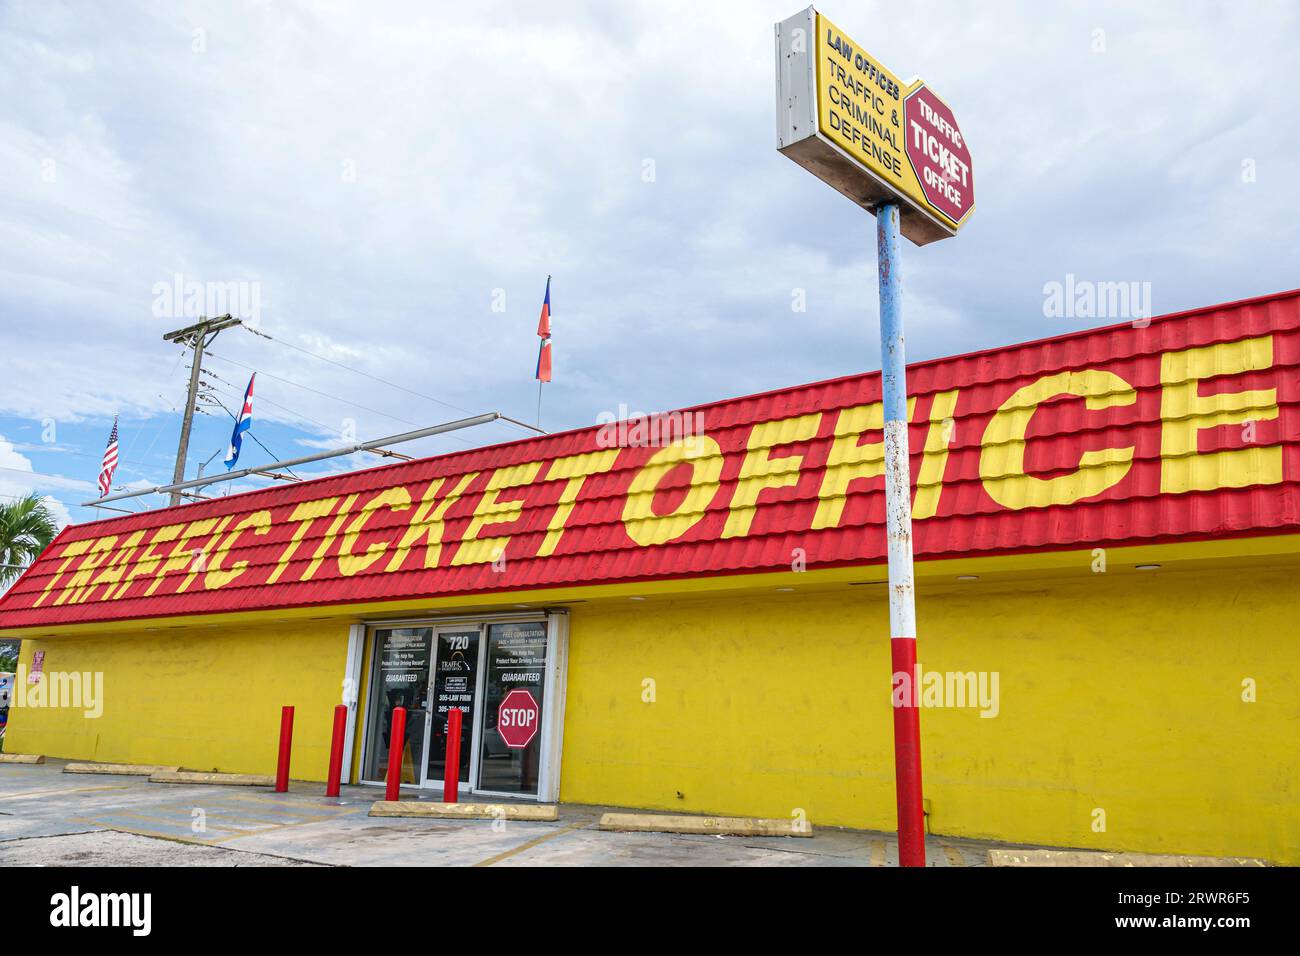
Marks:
<point>1094,859</point>
<point>22,758</point>
<point>717,826</point>
<point>129,769</point>
<point>226,779</point>
<point>465,811</point>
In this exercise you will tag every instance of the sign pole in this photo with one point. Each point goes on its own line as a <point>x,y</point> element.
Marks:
<point>898,528</point>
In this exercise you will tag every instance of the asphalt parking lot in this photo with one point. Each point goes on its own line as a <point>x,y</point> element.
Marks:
<point>50,818</point>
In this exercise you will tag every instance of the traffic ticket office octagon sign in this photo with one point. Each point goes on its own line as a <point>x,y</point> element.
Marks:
<point>937,151</point>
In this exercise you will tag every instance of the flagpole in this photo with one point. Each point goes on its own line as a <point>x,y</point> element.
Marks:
<point>539,403</point>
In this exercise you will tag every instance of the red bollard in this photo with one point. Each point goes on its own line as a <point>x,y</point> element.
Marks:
<point>451,769</point>
<point>286,745</point>
<point>336,751</point>
<point>396,745</point>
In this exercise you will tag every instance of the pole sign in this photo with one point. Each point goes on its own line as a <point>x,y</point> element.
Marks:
<point>897,151</point>
<point>855,125</point>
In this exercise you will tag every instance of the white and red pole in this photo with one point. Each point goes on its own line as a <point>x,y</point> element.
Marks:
<point>898,529</point>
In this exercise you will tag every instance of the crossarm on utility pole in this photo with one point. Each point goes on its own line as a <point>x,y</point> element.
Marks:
<point>198,336</point>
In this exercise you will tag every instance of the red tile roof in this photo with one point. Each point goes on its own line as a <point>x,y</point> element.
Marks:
<point>1201,466</point>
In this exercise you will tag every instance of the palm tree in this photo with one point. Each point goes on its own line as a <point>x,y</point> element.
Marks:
<point>27,527</point>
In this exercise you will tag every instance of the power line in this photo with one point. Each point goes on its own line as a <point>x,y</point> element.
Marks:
<point>357,371</point>
<point>299,415</point>
<point>325,394</point>
<point>135,434</point>
<point>274,456</point>
<point>316,391</point>
<point>24,497</point>
<point>33,474</point>
<point>328,429</point>
<point>381,452</point>
<point>41,474</point>
<point>40,449</point>
<point>159,430</point>
<point>483,419</point>
<point>375,378</point>
<point>181,335</point>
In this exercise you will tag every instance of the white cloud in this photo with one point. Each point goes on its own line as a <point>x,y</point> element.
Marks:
<point>17,480</point>
<point>496,144</point>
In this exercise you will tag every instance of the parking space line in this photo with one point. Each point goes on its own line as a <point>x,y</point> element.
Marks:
<point>321,808</point>
<point>229,817</point>
<point>36,793</point>
<point>274,827</point>
<point>877,852</point>
<point>532,843</point>
<point>118,828</point>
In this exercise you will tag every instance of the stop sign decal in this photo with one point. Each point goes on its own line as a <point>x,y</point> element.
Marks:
<point>518,719</point>
<point>938,153</point>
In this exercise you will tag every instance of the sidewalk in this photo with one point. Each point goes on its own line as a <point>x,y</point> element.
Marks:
<point>50,818</point>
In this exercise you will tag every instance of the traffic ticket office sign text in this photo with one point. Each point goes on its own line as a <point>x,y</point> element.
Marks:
<point>855,124</point>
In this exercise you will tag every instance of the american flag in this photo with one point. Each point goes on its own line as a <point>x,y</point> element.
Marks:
<point>109,464</point>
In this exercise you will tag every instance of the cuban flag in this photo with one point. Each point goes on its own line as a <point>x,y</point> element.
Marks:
<point>543,373</point>
<point>242,424</point>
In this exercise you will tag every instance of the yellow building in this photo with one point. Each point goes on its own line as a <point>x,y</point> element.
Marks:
<point>689,612</point>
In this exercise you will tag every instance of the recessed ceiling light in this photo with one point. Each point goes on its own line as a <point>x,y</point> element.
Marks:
<point>636,597</point>
<point>785,590</point>
<point>1146,567</point>
<point>968,577</point>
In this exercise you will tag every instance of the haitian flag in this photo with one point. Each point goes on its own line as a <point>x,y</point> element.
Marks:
<point>242,424</point>
<point>543,373</point>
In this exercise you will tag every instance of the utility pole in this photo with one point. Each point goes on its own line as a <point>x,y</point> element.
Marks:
<point>198,337</point>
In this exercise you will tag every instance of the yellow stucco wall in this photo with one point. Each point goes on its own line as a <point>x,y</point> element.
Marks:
<point>199,697</point>
<point>1117,693</point>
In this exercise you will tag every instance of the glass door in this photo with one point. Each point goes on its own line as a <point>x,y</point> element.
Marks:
<point>400,678</point>
<point>510,747</point>
<point>454,684</point>
<point>494,672</point>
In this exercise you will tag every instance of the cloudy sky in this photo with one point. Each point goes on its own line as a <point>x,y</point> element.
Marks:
<point>388,186</point>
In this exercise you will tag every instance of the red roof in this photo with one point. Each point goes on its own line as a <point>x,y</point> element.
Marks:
<point>1174,444</point>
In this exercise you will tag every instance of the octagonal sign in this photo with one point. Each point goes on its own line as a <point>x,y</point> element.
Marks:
<point>518,719</point>
<point>938,153</point>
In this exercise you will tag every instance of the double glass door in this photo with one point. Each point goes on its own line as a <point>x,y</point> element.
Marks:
<point>495,673</point>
